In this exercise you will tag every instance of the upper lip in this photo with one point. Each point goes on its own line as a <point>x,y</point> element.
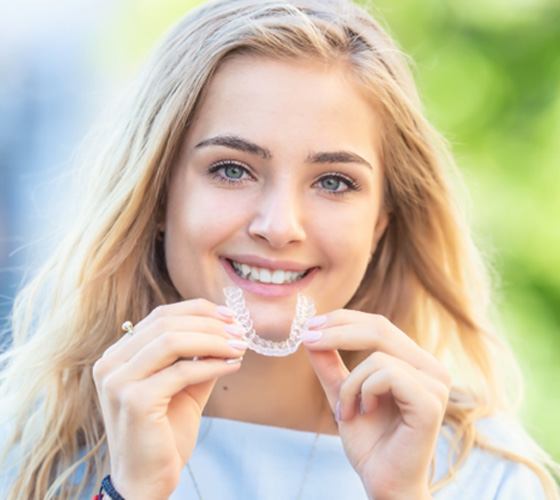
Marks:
<point>255,261</point>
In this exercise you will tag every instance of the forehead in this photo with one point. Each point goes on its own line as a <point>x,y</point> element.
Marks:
<point>306,103</point>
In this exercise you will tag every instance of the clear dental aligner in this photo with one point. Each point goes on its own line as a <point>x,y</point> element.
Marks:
<point>305,309</point>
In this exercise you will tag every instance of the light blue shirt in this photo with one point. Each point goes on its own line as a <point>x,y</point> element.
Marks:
<point>236,460</point>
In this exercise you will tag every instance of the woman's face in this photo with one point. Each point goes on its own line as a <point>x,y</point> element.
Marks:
<point>279,171</point>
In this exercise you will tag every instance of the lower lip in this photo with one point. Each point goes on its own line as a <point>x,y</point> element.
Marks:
<point>268,290</point>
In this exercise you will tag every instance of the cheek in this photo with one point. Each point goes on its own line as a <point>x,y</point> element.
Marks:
<point>198,222</point>
<point>348,234</point>
<point>346,240</point>
<point>203,217</point>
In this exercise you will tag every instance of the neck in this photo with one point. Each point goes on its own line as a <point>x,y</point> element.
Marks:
<point>276,391</point>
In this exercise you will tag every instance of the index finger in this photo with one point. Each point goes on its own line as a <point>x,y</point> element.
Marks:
<point>192,307</point>
<point>205,316</point>
<point>359,331</point>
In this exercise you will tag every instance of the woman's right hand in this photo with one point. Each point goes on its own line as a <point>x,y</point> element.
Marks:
<point>152,399</point>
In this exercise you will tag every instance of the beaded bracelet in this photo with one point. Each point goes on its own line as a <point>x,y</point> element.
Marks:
<point>107,490</point>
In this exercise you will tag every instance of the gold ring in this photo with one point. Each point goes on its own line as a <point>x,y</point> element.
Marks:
<point>127,327</point>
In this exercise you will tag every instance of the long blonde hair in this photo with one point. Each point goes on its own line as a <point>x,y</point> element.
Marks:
<point>426,274</point>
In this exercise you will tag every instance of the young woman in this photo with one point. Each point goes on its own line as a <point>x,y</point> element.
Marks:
<point>278,147</point>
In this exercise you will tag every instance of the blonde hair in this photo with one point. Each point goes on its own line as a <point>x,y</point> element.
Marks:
<point>426,275</point>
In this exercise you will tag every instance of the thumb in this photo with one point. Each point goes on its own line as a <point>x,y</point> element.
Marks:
<point>330,370</point>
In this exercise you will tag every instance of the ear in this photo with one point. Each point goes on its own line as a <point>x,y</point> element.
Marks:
<point>380,226</point>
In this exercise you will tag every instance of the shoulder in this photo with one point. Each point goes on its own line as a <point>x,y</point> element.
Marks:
<point>485,473</point>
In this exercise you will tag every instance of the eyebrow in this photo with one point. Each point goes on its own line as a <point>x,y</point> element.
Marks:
<point>240,144</point>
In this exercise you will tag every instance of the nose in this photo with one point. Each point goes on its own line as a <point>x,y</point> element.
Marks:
<point>278,217</point>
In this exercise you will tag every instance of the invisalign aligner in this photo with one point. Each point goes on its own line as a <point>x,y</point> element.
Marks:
<point>305,309</point>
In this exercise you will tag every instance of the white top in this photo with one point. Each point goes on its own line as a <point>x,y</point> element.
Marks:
<point>236,460</point>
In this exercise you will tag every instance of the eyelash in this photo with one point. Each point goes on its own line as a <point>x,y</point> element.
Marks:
<point>216,167</point>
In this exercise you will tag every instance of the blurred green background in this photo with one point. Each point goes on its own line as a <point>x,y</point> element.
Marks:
<point>489,74</point>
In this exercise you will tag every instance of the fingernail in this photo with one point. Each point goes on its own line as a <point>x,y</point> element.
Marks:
<point>316,321</point>
<point>225,312</point>
<point>338,412</point>
<point>234,329</point>
<point>234,361</point>
<point>238,344</point>
<point>311,335</point>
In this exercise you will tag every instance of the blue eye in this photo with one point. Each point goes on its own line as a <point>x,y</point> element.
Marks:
<point>332,182</point>
<point>232,172</point>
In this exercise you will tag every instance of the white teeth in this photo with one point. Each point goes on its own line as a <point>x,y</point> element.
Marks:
<point>278,277</point>
<point>262,275</point>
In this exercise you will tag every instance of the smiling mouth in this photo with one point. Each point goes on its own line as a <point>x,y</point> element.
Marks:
<point>267,276</point>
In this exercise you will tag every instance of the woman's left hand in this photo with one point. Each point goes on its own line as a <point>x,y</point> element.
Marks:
<point>402,390</point>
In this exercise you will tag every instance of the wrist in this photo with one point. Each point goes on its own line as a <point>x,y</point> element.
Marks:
<point>117,489</point>
<point>108,491</point>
